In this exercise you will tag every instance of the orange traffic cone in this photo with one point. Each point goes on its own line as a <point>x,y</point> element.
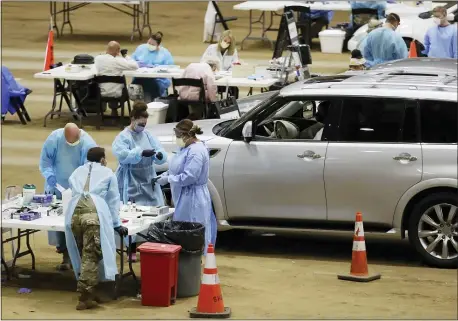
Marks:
<point>49,56</point>
<point>359,271</point>
<point>210,303</point>
<point>413,50</point>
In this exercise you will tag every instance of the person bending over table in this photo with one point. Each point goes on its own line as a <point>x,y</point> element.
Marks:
<point>188,176</point>
<point>112,63</point>
<point>149,55</point>
<point>204,71</point>
<point>64,150</point>
<point>226,53</point>
<point>90,220</point>
<point>137,151</point>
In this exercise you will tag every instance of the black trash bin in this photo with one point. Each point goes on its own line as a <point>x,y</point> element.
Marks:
<point>191,237</point>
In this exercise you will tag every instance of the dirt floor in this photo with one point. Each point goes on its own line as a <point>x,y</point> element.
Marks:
<point>290,276</point>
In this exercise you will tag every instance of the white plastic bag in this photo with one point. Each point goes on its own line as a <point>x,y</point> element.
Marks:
<point>209,22</point>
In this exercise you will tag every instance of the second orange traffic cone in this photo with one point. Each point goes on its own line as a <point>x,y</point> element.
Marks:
<point>359,271</point>
<point>210,303</point>
<point>413,50</point>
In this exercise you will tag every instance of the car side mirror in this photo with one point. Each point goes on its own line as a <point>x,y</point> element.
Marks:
<point>247,131</point>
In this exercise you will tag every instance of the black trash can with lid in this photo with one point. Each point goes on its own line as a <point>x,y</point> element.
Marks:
<point>191,237</point>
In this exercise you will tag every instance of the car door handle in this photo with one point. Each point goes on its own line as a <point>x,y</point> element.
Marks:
<point>405,157</point>
<point>309,154</point>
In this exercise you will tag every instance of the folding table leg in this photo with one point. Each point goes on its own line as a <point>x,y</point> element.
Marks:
<point>131,270</point>
<point>29,248</point>
<point>5,266</point>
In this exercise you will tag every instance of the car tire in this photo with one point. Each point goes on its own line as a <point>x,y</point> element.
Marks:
<point>418,228</point>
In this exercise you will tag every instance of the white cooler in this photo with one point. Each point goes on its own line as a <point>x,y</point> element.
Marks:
<point>157,112</point>
<point>332,40</point>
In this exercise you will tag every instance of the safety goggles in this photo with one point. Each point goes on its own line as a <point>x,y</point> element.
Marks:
<point>179,133</point>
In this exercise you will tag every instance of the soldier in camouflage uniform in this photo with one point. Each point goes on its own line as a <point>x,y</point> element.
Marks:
<point>85,227</point>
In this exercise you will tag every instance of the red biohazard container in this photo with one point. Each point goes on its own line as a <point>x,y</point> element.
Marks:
<point>159,273</point>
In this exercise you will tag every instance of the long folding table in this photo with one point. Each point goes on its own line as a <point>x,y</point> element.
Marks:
<point>134,8</point>
<point>272,7</point>
<point>57,224</point>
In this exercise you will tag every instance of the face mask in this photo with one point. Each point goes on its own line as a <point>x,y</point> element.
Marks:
<point>180,142</point>
<point>139,128</point>
<point>437,21</point>
<point>224,44</point>
<point>74,144</point>
<point>151,47</point>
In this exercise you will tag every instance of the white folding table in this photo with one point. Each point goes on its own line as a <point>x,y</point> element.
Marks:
<point>132,8</point>
<point>57,224</point>
<point>245,82</point>
<point>274,6</point>
<point>64,89</point>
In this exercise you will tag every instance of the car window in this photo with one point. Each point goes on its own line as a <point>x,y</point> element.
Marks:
<point>438,122</point>
<point>378,121</point>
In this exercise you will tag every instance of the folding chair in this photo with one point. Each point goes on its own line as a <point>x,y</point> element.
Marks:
<point>101,100</point>
<point>201,102</point>
<point>220,19</point>
<point>14,95</point>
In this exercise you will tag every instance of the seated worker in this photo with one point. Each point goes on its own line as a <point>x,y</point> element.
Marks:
<point>320,19</point>
<point>91,218</point>
<point>315,131</point>
<point>204,71</point>
<point>149,55</point>
<point>357,61</point>
<point>360,20</point>
<point>113,64</point>
<point>226,54</point>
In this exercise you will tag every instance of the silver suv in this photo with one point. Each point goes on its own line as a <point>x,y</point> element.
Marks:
<point>311,155</point>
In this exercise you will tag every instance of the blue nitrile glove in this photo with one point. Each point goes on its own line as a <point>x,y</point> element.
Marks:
<point>163,179</point>
<point>51,181</point>
<point>141,64</point>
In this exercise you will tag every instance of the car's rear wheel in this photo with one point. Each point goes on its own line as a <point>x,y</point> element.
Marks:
<point>433,229</point>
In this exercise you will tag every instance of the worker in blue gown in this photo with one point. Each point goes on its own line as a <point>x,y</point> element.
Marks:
<point>91,218</point>
<point>150,55</point>
<point>64,150</point>
<point>385,44</point>
<point>441,40</point>
<point>188,176</point>
<point>137,151</point>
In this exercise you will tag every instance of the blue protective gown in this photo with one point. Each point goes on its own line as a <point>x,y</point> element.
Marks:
<point>135,172</point>
<point>383,45</point>
<point>152,87</point>
<point>188,177</point>
<point>103,189</point>
<point>60,160</point>
<point>10,88</point>
<point>441,42</point>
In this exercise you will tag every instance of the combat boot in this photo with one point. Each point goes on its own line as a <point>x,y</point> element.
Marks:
<point>85,302</point>
<point>65,265</point>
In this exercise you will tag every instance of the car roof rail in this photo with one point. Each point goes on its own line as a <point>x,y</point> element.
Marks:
<point>378,83</point>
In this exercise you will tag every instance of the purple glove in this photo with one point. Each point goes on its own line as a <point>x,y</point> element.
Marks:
<point>24,291</point>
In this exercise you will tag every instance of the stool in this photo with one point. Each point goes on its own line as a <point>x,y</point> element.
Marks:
<point>159,273</point>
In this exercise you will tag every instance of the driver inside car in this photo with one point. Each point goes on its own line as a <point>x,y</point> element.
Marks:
<point>315,131</point>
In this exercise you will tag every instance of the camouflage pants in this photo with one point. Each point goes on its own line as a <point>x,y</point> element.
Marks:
<point>86,230</point>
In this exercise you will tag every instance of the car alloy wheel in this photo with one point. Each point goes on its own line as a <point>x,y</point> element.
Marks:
<point>438,231</point>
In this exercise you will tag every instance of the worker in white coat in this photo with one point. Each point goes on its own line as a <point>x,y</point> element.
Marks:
<point>224,51</point>
<point>91,218</point>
